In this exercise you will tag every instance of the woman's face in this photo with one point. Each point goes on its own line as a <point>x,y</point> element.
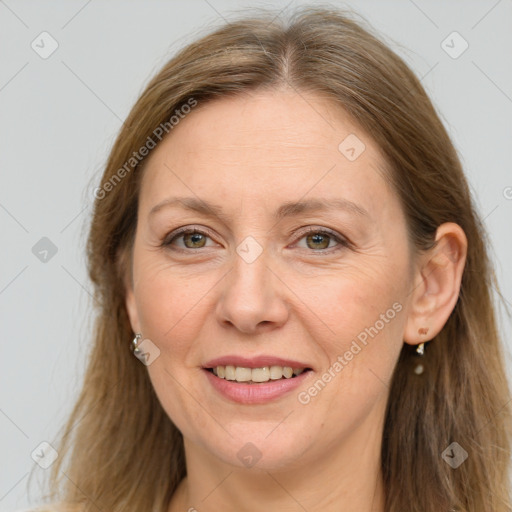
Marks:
<point>253,289</point>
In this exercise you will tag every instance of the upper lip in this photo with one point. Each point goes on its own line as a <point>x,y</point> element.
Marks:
<point>254,362</point>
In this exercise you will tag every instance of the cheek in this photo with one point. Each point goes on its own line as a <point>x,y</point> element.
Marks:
<point>172,301</point>
<point>163,298</point>
<point>365,314</point>
<point>359,299</point>
<point>367,321</point>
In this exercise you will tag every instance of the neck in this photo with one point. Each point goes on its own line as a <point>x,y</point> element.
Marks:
<point>342,477</point>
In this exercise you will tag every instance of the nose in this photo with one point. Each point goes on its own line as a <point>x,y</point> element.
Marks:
<point>253,298</point>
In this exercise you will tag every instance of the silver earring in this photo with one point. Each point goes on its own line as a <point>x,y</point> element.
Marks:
<point>420,350</point>
<point>135,344</point>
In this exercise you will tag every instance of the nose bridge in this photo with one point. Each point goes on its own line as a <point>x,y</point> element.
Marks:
<point>252,296</point>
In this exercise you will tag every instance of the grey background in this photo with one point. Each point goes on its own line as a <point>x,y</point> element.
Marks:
<point>59,117</point>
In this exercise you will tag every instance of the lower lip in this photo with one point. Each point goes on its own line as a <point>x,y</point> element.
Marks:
<point>255,393</point>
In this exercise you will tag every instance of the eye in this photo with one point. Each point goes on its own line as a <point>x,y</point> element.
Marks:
<point>320,239</point>
<point>192,238</point>
<point>317,239</point>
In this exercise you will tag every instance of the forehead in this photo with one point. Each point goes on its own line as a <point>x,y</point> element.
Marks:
<point>255,148</point>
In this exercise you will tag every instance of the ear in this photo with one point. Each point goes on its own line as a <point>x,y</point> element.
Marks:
<point>436,284</point>
<point>131,308</point>
<point>125,263</point>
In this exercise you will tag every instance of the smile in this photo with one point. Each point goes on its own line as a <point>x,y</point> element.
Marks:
<point>256,375</point>
<point>252,392</point>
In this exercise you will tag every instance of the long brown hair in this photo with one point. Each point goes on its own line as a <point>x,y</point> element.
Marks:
<point>120,451</point>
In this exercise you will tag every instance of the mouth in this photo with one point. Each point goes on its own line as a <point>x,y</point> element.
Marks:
<point>262,375</point>
<point>256,380</point>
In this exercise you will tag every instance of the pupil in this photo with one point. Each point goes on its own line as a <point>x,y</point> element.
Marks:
<point>195,237</point>
<point>317,239</point>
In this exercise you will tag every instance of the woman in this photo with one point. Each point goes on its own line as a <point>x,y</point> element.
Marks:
<point>284,238</point>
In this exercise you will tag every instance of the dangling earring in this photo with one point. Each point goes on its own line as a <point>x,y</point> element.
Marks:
<point>420,350</point>
<point>135,344</point>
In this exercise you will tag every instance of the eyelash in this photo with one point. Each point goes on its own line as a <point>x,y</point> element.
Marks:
<point>342,242</point>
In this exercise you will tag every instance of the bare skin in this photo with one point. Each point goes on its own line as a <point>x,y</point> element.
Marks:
<point>306,296</point>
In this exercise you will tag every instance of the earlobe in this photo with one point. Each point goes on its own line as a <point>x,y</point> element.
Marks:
<point>437,284</point>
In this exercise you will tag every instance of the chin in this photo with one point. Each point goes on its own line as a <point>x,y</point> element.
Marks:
<point>257,449</point>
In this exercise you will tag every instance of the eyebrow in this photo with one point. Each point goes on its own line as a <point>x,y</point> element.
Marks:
<point>288,209</point>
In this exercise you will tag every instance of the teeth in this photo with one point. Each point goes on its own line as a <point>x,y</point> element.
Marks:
<point>255,375</point>
<point>260,374</point>
<point>243,374</point>
<point>229,373</point>
<point>276,372</point>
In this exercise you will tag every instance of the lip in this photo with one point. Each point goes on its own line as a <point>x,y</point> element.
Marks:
<point>254,362</point>
<point>255,393</point>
